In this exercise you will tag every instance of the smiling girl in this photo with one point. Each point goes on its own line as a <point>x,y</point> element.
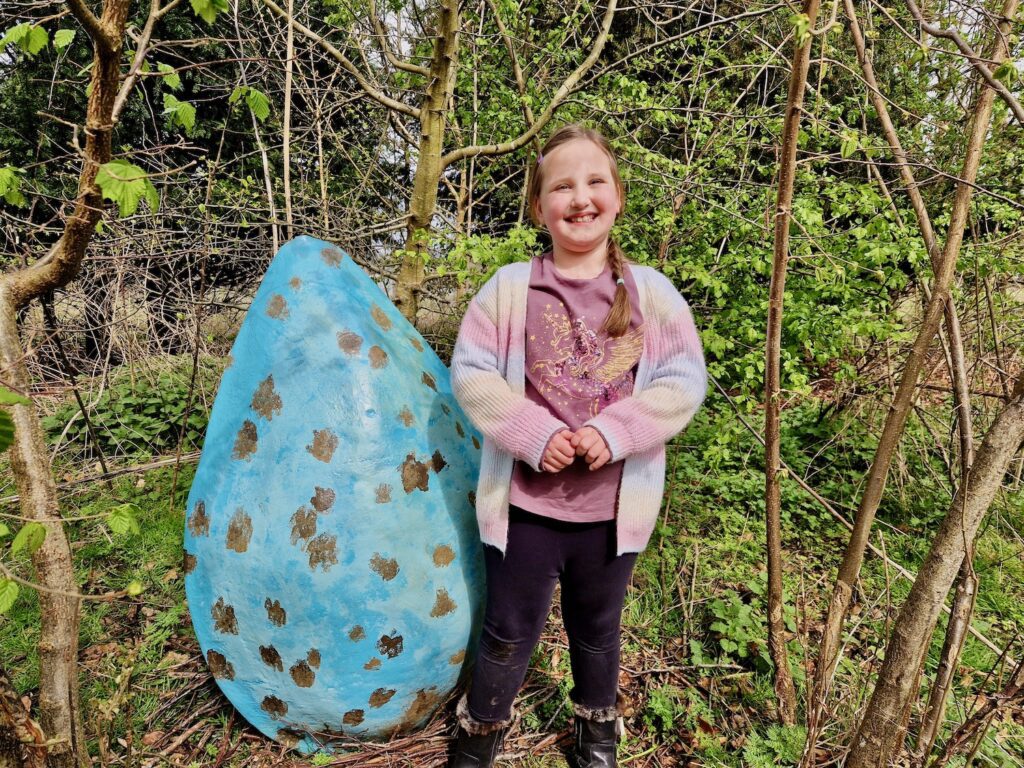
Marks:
<point>577,367</point>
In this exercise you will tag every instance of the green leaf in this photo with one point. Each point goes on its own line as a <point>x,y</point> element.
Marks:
<point>62,38</point>
<point>10,185</point>
<point>171,78</point>
<point>134,588</point>
<point>126,184</point>
<point>258,103</point>
<point>207,10</point>
<point>121,520</point>
<point>6,431</point>
<point>31,537</point>
<point>4,530</point>
<point>1006,73</point>
<point>30,38</point>
<point>181,112</point>
<point>12,398</point>
<point>8,594</point>
<point>801,28</point>
<point>850,143</point>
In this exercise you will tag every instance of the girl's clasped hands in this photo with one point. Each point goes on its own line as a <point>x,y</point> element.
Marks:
<point>565,446</point>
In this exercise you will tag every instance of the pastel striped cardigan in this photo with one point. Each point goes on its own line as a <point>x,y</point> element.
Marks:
<point>488,379</point>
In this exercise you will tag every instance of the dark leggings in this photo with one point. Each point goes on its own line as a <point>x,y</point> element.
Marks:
<point>541,551</point>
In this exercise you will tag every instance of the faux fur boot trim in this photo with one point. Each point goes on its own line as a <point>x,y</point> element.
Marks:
<point>476,727</point>
<point>597,715</point>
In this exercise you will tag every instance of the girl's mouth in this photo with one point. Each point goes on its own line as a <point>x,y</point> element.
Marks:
<point>584,219</point>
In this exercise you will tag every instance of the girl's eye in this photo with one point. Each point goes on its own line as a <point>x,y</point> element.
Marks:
<point>597,181</point>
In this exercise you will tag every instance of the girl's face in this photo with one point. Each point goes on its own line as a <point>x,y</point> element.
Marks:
<point>578,199</point>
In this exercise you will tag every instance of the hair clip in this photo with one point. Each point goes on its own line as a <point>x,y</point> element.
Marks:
<point>540,158</point>
<point>620,281</point>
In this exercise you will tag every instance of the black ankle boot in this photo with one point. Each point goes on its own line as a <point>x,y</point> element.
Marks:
<point>478,743</point>
<point>476,751</point>
<point>594,745</point>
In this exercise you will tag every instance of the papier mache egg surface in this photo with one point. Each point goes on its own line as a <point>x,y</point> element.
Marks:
<point>334,570</point>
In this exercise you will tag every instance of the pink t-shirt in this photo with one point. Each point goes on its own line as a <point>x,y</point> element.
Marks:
<point>575,370</point>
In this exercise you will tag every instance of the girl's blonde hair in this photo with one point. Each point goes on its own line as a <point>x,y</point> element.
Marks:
<point>617,321</point>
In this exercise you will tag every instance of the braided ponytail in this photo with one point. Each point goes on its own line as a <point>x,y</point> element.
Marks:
<point>617,322</point>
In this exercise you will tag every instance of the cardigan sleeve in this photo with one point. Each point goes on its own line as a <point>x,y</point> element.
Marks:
<point>676,388</point>
<point>515,423</point>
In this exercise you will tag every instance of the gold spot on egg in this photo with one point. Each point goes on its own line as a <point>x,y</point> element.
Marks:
<point>430,382</point>
<point>416,344</point>
<point>378,357</point>
<point>295,282</point>
<point>266,402</point>
<point>278,307</point>
<point>437,462</point>
<point>224,617</point>
<point>405,416</point>
<point>303,676</point>
<point>443,555</point>
<point>372,664</point>
<point>323,498</point>
<point>198,522</point>
<point>324,444</point>
<point>332,256</point>
<point>356,633</point>
<point>457,658</point>
<point>271,657</point>
<point>446,409</point>
<point>274,707</point>
<point>239,531</point>
<point>353,717</point>
<point>190,562</point>
<point>313,657</point>
<point>245,442</point>
<point>387,569</point>
<point>381,696</point>
<point>383,493</point>
<point>219,665</point>
<point>350,343</point>
<point>322,552</point>
<point>459,430</point>
<point>381,318</point>
<point>275,613</point>
<point>303,524</point>
<point>476,443</point>
<point>414,474</point>
<point>425,702</point>
<point>472,498</point>
<point>390,645</point>
<point>443,604</point>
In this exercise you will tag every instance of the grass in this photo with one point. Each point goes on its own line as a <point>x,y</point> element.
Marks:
<point>694,656</point>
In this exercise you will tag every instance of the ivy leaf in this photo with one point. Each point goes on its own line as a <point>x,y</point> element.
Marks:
<point>181,112</point>
<point>171,78</point>
<point>207,10</point>
<point>126,184</point>
<point>8,594</point>
<point>122,520</point>
<point>31,537</point>
<point>62,38</point>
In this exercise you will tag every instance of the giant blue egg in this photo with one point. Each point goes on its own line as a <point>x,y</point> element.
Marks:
<point>334,571</point>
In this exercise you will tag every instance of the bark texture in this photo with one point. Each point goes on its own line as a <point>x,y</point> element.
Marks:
<point>874,744</point>
<point>785,692</point>
<point>59,706</point>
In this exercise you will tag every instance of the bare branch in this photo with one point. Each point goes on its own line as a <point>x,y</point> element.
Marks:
<point>979,64</point>
<point>343,60</point>
<point>382,42</point>
<point>566,88</point>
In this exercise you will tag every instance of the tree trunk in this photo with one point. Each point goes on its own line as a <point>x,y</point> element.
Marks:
<point>784,689</point>
<point>59,706</point>
<point>853,557</point>
<point>873,744</point>
<point>429,165</point>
